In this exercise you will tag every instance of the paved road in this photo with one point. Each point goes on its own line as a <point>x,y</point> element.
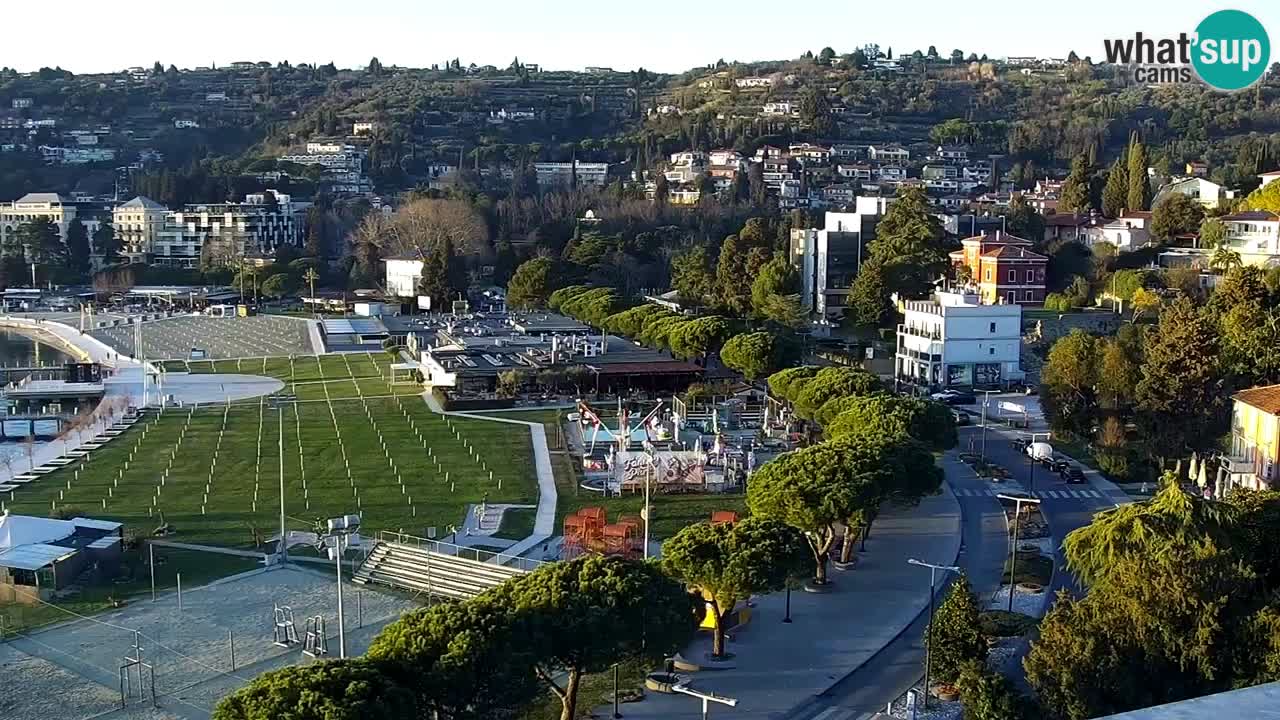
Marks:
<point>899,665</point>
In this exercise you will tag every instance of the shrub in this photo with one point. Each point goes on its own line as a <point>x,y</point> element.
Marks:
<point>956,634</point>
<point>988,695</point>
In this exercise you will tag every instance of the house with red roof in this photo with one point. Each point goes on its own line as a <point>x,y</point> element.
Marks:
<point>1004,267</point>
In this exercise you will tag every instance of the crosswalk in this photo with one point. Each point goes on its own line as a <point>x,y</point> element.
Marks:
<point>1056,494</point>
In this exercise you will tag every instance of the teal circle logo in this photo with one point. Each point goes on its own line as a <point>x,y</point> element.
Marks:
<point>1231,50</point>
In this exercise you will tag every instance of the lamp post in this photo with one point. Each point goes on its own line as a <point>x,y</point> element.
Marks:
<point>340,530</point>
<point>1013,548</point>
<point>986,400</point>
<point>1032,456</point>
<point>278,406</point>
<point>928,643</point>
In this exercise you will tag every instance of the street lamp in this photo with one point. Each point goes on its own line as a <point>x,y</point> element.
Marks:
<point>1013,549</point>
<point>986,400</point>
<point>278,406</point>
<point>1036,451</point>
<point>340,530</point>
<point>928,642</point>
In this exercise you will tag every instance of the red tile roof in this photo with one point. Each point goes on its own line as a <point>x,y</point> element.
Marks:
<point>1265,398</point>
<point>1015,252</point>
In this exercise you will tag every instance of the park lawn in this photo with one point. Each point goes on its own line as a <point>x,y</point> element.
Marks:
<point>197,568</point>
<point>517,523</point>
<point>359,467</point>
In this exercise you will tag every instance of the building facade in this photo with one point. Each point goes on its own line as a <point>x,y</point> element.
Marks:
<point>956,341</point>
<point>216,232</point>
<point>403,273</point>
<point>828,259</point>
<point>564,174</point>
<point>31,206</point>
<point>1004,268</point>
<point>1255,439</point>
<point>137,225</point>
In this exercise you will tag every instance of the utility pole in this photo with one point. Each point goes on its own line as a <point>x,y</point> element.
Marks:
<point>1013,548</point>
<point>928,644</point>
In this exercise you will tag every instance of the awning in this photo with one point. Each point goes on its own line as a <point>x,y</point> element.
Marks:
<point>34,556</point>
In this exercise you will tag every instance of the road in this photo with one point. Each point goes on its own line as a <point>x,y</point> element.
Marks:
<point>899,665</point>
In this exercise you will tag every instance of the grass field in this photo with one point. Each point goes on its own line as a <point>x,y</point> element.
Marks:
<point>213,472</point>
<point>341,376</point>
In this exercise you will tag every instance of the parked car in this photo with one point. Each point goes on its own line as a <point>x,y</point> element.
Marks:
<point>1020,443</point>
<point>954,397</point>
<point>962,417</point>
<point>1072,474</point>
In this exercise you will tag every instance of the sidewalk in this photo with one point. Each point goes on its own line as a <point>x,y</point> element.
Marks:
<point>779,666</point>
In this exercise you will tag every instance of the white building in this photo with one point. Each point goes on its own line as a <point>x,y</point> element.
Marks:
<point>781,107</point>
<point>137,225</point>
<point>403,273</point>
<point>888,153</point>
<point>32,206</point>
<point>1128,232</point>
<point>1267,177</point>
<point>184,124</point>
<point>828,259</point>
<point>956,341</point>
<point>1203,191</point>
<point>364,128</point>
<point>1255,235</point>
<point>563,174</point>
<point>754,82</point>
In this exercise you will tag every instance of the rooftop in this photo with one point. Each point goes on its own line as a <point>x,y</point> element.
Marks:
<point>1263,215</point>
<point>1265,398</point>
<point>145,203</point>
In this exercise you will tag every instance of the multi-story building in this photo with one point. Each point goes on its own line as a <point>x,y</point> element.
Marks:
<point>32,206</point>
<point>563,174</point>
<point>888,153</point>
<point>956,341</point>
<point>403,274</point>
<point>1255,235</point>
<point>260,225</point>
<point>1004,268</point>
<point>137,225</point>
<point>828,259</point>
<point>1203,191</point>
<point>1255,439</point>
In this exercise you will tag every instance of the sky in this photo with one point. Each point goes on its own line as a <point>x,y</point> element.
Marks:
<point>661,35</point>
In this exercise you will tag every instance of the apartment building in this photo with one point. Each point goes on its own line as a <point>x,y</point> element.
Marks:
<point>828,259</point>
<point>1004,268</point>
<point>137,225</point>
<point>564,174</point>
<point>957,341</point>
<point>1255,235</point>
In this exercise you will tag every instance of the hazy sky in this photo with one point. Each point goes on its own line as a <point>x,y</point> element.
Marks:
<point>91,35</point>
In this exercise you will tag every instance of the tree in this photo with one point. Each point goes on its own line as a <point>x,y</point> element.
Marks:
<point>1144,301</point>
<point>1115,194</point>
<point>78,247</point>
<point>988,695</point>
<point>279,285</point>
<point>955,636</point>
<point>815,112</point>
<point>1074,197</point>
<point>327,690</point>
<point>909,245</point>
<point>869,299</point>
<point>531,285</point>
<point>106,243</point>
<point>774,294</point>
<point>1069,380</point>
<point>1174,215</point>
<point>40,241</point>
<point>830,383</point>
<point>1212,233</point>
<point>583,615</point>
<point>729,562</point>
<point>752,354</point>
<point>785,383</point>
<point>1251,343</point>
<point>932,423</point>
<point>896,467</point>
<point>434,281</point>
<point>462,661</point>
<point>1024,221</point>
<point>733,282</point>
<point>696,338</point>
<point>1139,197</point>
<point>1224,258</point>
<point>1179,398</point>
<point>813,489</point>
<point>691,276</point>
<point>1119,368</point>
<point>1265,198</point>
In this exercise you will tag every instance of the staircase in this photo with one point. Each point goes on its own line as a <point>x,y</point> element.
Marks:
<point>406,567</point>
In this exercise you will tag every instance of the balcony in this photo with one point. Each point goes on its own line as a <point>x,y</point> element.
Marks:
<point>934,334</point>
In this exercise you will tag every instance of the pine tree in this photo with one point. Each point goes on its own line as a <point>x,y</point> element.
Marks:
<point>956,635</point>
<point>1116,192</point>
<point>78,247</point>
<point>434,282</point>
<point>1179,399</point>
<point>106,244</point>
<point>1075,191</point>
<point>1139,188</point>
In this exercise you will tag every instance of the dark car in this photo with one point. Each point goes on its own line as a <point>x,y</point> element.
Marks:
<point>962,417</point>
<point>1072,474</point>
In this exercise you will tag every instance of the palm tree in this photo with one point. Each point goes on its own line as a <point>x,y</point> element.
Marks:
<point>1224,258</point>
<point>311,276</point>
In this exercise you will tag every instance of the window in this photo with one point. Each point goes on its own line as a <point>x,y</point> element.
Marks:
<point>987,275</point>
<point>1031,276</point>
<point>1011,296</point>
<point>992,327</point>
<point>1031,296</point>
<point>991,351</point>
<point>1013,276</point>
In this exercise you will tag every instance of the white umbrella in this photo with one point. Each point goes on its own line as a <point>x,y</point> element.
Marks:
<point>1204,476</point>
<point>1191,468</point>
<point>1040,450</point>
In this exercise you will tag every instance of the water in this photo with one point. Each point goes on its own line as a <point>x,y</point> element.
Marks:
<point>21,351</point>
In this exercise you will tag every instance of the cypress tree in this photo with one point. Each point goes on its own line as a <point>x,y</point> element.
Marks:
<point>1115,194</point>
<point>1139,188</point>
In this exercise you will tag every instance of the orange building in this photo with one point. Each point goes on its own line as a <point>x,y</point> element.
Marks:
<point>1004,268</point>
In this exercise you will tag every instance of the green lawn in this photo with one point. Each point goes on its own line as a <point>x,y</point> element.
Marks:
<point>517,523</point>
<point>231,453</point>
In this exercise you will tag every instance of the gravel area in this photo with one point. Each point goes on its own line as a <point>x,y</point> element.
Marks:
<point>938,710</point>
<point>31,687</point>
<point>1023,602</point>
<point>998,655</point>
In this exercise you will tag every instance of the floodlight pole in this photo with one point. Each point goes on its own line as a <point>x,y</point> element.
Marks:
<point>1013,548</point>
<point>928,642</point>
<point>342,633</point>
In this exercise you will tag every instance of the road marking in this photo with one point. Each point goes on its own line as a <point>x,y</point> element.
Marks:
<point>834,713</point>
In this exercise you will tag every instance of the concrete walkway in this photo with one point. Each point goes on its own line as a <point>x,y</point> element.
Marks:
<point>779,666</point>
<point>544,524</point>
